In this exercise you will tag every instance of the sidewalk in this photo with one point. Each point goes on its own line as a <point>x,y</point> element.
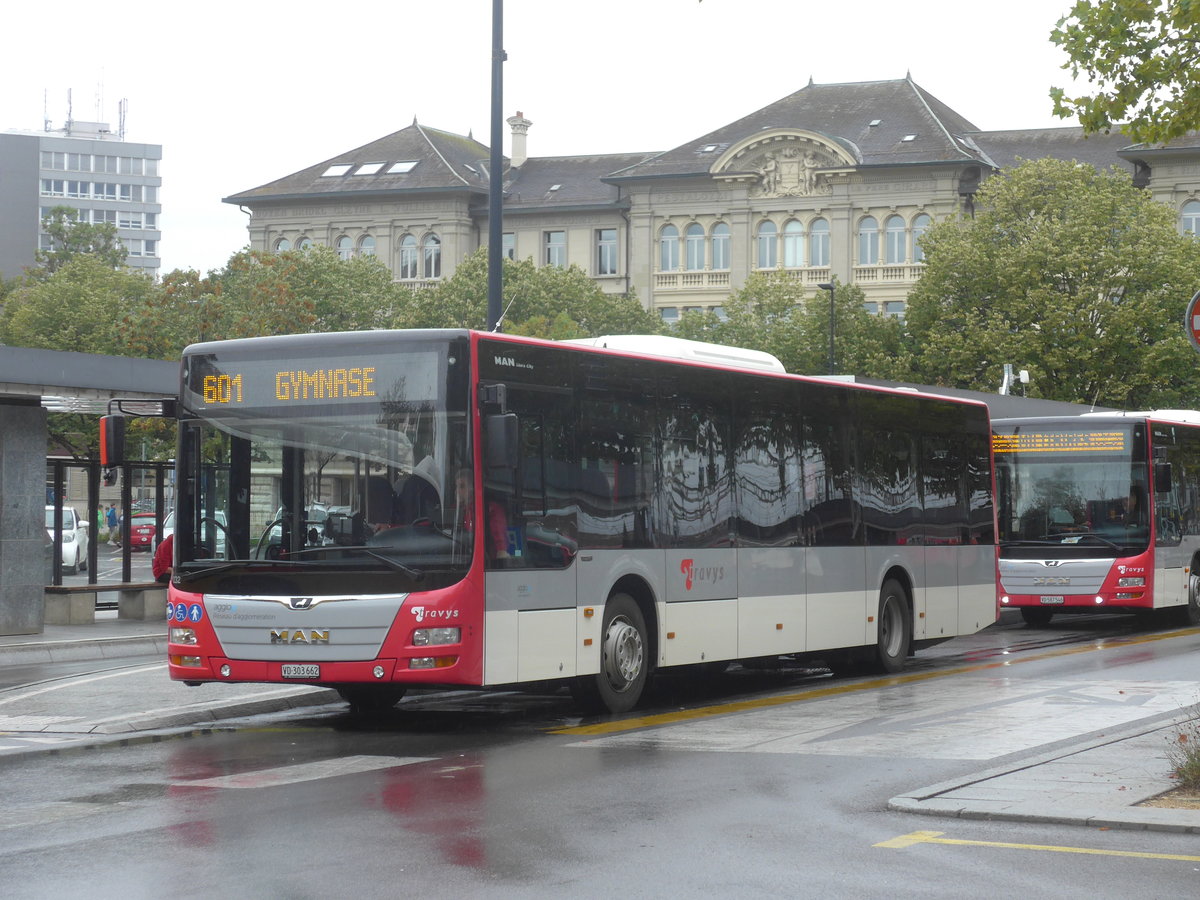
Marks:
<point>1096,782</point>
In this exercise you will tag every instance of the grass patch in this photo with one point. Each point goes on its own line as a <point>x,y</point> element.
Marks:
<point>1183,753</point>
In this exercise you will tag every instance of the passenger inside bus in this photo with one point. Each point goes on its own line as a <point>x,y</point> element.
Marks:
<point>496,525</point>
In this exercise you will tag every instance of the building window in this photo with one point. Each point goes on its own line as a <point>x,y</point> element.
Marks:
<point>868,242</point>
<point>894,240</point>
<point>53,187</point>
<point>337,169</point>
<point>369,168</point>
<point>130,219</point>
<point>366,245</point>
<point>433,257</point>
<point>793,244</point>
<point>668,249</point>
<point>720,246</point>
<point>920,225</point>
<point>344,247</point>
<point>107,164</point>
<point>508,245</point>
<point>104,217</point>
<point>818,243</point>
<point>669,314</point>
<point>52,160</point>
<point>556,248</point>
<point>606,251</point>
<point>408,257</point>
<point>304,244</point>
<point>1191,217</point>
<point>283,245</point>
<point>767,245</point>
<point>693,240</point>
<point>894,308</point>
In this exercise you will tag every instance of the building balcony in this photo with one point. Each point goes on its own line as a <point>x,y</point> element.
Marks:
<point>888,273</point>
<point>692,280</point>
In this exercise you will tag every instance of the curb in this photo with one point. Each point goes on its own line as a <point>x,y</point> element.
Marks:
<point>91,648</point>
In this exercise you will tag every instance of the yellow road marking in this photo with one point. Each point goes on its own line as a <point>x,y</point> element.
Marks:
<point>705,712</point>
<point>935,837</point>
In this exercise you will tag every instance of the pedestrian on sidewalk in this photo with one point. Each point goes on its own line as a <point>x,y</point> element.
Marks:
<point>164,560</point>
<point>113,526</point>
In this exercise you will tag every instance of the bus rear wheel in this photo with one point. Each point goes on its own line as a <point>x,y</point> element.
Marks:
<point>624,666</point>
<point>368,698</point>
<point>895,628</point>
<point>1191,612</point>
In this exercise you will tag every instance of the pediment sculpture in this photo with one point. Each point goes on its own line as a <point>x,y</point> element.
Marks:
<point>791,172</point>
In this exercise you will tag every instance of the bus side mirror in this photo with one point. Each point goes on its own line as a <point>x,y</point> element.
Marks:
<point>500,437</point>
<point>1162,478</point>
<point>112,440</point>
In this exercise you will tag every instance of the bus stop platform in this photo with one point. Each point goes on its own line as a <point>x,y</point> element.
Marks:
<point>1095,781</point>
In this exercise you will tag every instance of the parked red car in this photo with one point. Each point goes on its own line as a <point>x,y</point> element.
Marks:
<point>141,531</point>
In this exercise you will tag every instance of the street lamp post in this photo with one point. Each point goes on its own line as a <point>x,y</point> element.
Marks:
<point>829,286</point>
<point>495,279</point>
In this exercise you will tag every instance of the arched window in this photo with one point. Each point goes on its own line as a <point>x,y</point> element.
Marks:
<point>345,247</point>
<point>893,239</point>
<point>768,245</point>
<point>720,246</point>
<point>868,242</point>
<point>1191,217</point>
<point>408,257</point>
<point>920,225</point>
<point>366,245</point>
<point>304,243</point>
<point>818,243</point>
<point>793,244</point>
<point>283,245</point>
<point>693,240</point>
<point>668,249</point>
<point>433,257</point>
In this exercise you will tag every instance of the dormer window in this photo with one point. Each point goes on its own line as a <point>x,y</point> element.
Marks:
<point>908,138</point>
<point>875,122</point>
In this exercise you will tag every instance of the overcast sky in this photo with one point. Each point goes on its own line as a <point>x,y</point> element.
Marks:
<point>241,93</point>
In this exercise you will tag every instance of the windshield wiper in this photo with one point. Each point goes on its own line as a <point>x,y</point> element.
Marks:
<point>1074,537</point>
<point>226,565</point>
<point>415,574</point>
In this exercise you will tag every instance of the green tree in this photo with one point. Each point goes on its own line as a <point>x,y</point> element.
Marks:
<point>83,306</point>
<point>1143,57</point>
<point>542,301</point>
<point>1073,274</point>
<point>70,238</point>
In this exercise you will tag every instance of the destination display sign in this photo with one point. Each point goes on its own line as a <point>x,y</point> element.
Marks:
<point>408,377</point>
<point>1061,442</point>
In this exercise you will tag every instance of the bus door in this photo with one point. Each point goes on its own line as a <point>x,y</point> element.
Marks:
<point>1174,462</point>
<point>530,550</point>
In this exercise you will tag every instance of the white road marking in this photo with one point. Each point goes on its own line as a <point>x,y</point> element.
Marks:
<point>313,771</point>
<point>74,682</point>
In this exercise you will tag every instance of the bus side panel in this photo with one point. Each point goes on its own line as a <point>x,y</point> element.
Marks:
<point>699,631</point>
<point>976,588</point>
<point>942,599</point>
<point>773,609</point>
<point>512,591</point>
<point>838,605</point>
<point>545,644</point>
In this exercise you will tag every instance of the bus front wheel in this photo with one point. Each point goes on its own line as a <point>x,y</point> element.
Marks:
<point>895,628</point>
<point>1191,612</point>
<point>369,698</point>
<point>1036,616</point>
<point>624,665</point>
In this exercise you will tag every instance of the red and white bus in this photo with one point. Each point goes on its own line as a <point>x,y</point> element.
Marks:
<point>1099,513</point>
<point>377,511</point>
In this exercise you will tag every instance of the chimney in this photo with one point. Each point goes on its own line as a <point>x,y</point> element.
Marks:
<point>520,128</point>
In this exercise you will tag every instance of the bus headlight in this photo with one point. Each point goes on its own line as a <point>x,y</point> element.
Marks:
<point>182,636</point>
<point>1131,582</point>
<point>427,637</point>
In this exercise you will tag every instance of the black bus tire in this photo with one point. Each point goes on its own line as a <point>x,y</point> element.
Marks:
<point>624,660</point>
<point>894,639</point>
<point>369,698</point>
<point>1036,616</point>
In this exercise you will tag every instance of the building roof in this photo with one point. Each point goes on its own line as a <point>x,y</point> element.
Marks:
<point>560,181</point>
<point>877,122</point>
<point>416,158</point>
<point>1009,148</point>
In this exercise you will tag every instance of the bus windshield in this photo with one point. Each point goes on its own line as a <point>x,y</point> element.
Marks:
<point>1078,489</point>
<point>339,468</point>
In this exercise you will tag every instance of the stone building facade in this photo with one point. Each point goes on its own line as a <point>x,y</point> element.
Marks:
<point>832,183</point>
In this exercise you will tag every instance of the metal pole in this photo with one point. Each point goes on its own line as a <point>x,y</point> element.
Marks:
<point>495,288</point>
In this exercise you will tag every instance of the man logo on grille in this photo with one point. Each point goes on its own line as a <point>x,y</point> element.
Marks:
<point>302,602</point>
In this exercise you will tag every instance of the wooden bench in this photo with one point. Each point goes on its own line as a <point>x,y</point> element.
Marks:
<point>75,604</point>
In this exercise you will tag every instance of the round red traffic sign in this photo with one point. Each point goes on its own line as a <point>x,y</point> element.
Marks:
<point>1191,321</point>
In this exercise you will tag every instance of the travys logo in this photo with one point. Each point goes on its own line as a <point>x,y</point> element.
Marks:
<point>693,573</point>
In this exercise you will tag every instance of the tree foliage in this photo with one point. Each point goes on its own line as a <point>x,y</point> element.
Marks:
<point>538,301</point>
<point>776,314</point>
<point>1073,274</point>
<point>1143,56</point>
<point>70,238</point>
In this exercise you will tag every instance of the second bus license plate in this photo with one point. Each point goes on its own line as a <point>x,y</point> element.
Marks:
<point>294,671</point>
<point>1050,599</point>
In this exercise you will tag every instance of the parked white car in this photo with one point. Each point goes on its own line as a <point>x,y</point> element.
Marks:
<point>74,539</point>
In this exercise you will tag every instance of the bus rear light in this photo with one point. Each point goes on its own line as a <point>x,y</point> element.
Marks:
<point>182,636</point>
<point>428,637</point>
<point>1131,582</point>
<point>432,662</point>
<point>190,661</point>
